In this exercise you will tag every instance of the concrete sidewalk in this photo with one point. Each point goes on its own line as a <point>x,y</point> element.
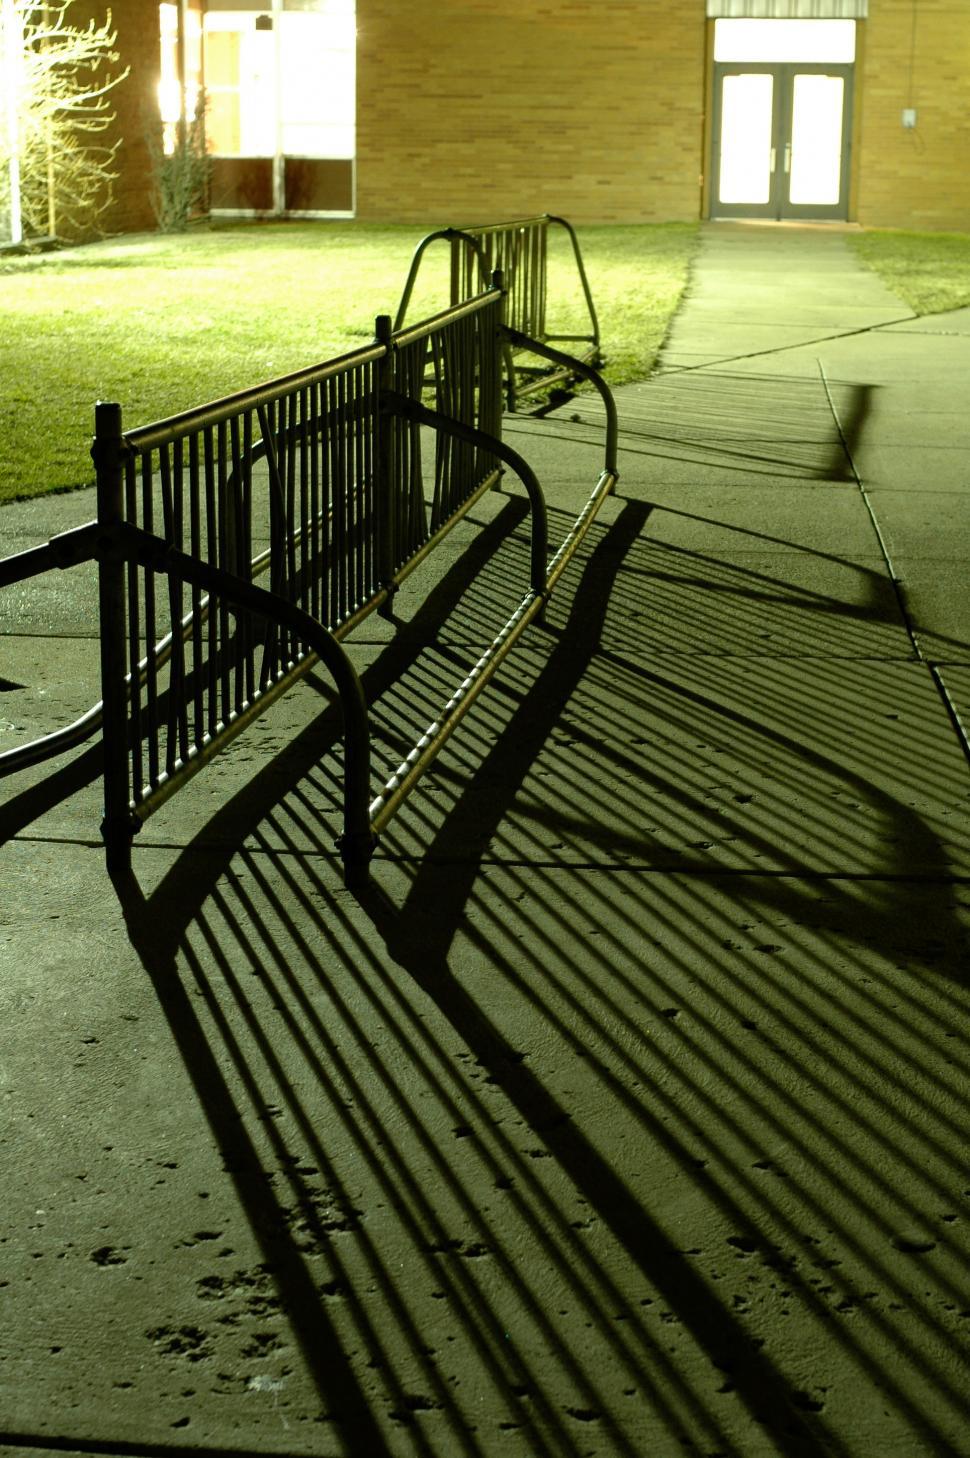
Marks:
<point>626,1113</point>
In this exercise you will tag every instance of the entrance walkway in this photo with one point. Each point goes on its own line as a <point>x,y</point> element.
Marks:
<point>627,1114</point>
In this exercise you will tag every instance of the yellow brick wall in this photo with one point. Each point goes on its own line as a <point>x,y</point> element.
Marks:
<point>478,109</point>
<point>595,108</point>
<point>136,105</point>
<point>921,178</point>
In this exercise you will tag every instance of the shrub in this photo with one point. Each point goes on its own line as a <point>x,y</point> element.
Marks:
<point>180,176</point>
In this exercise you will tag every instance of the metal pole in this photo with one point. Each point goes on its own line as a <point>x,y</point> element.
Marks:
<point>584,281</point>
<point>107,452</point>
<point>279,165</point>
<point>356,844</point>
<point>499,357</point>
<point>385,554</point>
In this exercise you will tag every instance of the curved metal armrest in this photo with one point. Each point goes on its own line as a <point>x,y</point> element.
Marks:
<point>586,372</point>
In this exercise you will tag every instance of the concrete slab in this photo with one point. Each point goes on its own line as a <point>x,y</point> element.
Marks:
<point>933,467</point>
<point>889,357</point>
<point>597,769</point>
<point>729,339</point>
<point>238,1232</point>
<point>935,593</point>
<point>674,600</point>
<point>924,522</point>
<point>873,357</point>
<point>64,604</point>
<point>715,405</point>
<point>732,310</point>
<point>739,764</point>
<point>675,361</point>
<point>776,515</point>
<point>25,523</point>
<point>54,605</point>
<point>836,312</point>
<point>927,534</point>
<point>914,424</point>
<point>951,321</point>
<point>47,685</point>
<point>955,679</point>
<point>655,449</point>
<point>650,456</point>
<point>692,765</point>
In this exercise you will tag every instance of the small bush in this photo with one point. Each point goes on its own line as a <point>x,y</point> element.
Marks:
<point>180,178</point>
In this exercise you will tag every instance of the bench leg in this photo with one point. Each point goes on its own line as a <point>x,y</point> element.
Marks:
<point>356,852</point>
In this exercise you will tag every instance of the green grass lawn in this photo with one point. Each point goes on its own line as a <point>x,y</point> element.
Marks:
<point>164,323</point>
<point>929,271</point>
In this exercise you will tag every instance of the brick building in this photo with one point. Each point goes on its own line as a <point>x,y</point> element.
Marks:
<point>602,110</point>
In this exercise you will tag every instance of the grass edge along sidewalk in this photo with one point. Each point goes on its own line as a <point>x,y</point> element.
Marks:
<point>929,271</point>
<point>162,322</point>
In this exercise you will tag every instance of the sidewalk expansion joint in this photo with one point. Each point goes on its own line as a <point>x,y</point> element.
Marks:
<point>899,590</point>
<point>780,348</point>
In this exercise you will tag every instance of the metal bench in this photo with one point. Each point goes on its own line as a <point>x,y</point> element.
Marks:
<point>239,543</point>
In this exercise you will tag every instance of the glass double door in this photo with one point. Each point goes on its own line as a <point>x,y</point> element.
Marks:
<point>781,140</point>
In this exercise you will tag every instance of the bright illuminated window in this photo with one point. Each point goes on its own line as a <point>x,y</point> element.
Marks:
<point>240,84</point>
<point>317,119</point>
<point>746,112</point>
<point>785,40</point>
<point>281,80</point>
<point>178,98</point>
<point>169,87</point>
<point>816,140</point>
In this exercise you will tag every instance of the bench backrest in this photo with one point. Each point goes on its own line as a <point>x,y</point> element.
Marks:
<point>519,250</point>
<point>316,484</point>
<point>321,484</point>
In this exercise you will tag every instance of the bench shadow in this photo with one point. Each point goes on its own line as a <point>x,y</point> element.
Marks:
<point>420,930</point>
<point>311,1057</point>
<point>271,899</point>
<point>189,936</point>
<point>788,432</point>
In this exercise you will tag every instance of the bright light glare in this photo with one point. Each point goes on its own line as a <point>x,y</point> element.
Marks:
<point>317,120</point>
<point>170,100</point>
<point>816,148</point>
<point>289,89</point>
<point>745,175</point>
<point>169,88</point>
<point>785,40</point>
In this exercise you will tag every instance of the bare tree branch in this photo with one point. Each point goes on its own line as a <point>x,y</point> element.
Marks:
<point>60,104</point>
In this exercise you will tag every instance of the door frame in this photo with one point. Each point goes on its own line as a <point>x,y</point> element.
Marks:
<point>778,208</point>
